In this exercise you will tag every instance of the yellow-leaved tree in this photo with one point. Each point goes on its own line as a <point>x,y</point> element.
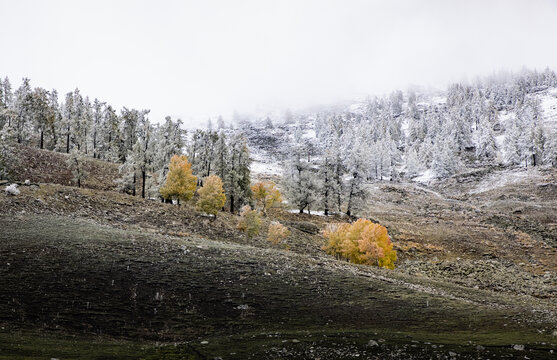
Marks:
<point>180,182</point>
<point>362,242</point>
<point>266,195</point>
<point>211,196</point>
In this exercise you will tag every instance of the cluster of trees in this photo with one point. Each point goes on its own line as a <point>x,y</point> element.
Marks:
<point>403,135</point>
<point>85,128</point>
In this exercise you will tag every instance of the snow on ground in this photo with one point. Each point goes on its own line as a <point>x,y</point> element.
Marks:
<point>425,177</point>
<point>313,212</point>
<point>258,167</point>
<point>504,178</point>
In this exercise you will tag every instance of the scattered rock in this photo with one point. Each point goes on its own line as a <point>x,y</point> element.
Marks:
<point>372,343</point>
<point>518,347</point>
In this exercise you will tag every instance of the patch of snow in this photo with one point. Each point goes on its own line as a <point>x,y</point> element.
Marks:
<point>425,177</point>
<point>12,190</point>
<point>258,167</point>
<point>502,179</point>
<point>313,212</point>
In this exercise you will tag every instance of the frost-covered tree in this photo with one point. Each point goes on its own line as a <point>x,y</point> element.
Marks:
<point>445,162</point>
<point>413,164</point>
<point>357,169</point>
<point>76,164</point>
<point>300,181</point>
<point>23,107</point>
<point>96,126</point>
<point>40,112</point>
<point>486,146</point>
<point>237,184</point>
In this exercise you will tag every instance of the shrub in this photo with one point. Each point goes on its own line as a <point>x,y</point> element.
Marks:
<point>266,195</point>
<point>12,190</point>
<point>277,233</point>
<point>250,221</point>
<point>362,242</point>
<point>211,196</point>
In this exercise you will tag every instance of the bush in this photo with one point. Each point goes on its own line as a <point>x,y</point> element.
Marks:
<point>211,196</point>
<point>12,190</point>
<point>277,233</point>
<point>250,221</point>
<point>362,242</point>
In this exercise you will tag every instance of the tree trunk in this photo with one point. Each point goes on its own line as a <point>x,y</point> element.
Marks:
<point>68,142</point>
<point>143,184</point>
<point>42,138</point>
<point>232,204</point>
<point>133,189</point>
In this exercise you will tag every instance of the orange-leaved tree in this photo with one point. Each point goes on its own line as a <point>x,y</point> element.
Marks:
<point>180,182</point>
<point>211,196</point>
<point>266,195</point>
<point>277,233</point>
<point>362,242</point>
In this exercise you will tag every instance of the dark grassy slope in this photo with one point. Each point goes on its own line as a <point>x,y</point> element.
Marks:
<point>73,276</point>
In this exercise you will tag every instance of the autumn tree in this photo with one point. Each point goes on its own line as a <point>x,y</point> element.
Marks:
<point>211,195</point>
<point>277,233</point>
<point>180,182</point>
<point>266,195</point>
<point>362,242</point>
<point>250,221</point>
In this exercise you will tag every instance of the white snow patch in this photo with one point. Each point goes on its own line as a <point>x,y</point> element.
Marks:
<point>425,177</point>
<point>313,212</point>
<point>12,190</point>
<point>502,179</point>
<point>258,167</point>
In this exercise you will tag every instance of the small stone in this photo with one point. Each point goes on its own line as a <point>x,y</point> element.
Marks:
<point>519,347</point>
<point>372,343</point>
<point>480,348</point>
<point>204,342</point>
<point>452,354</point>
<point>295,341</point>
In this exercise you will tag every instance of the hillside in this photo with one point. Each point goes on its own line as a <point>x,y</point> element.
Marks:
<point>103,274</point>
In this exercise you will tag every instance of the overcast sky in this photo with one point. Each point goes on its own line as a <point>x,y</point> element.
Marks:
<point>194,59</point>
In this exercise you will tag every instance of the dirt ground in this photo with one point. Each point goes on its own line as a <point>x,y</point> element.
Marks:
<point>92,273</point>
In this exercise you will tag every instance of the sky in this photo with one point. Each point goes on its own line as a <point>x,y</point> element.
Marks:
<point>199,59</point>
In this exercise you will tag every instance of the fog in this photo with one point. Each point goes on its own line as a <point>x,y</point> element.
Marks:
<point>198,59</point>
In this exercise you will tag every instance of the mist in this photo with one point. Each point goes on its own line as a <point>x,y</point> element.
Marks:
<point>196,60</point>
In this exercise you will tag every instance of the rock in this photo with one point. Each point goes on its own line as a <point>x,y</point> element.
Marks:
<point>372,343</point>
<point>480,348</point>
<point>295,341</point>
<point>518,347</point>
<point>452,354</point>
<point>204,342</point>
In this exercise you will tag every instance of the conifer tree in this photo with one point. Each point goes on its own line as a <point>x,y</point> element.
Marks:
<point>76,164</point>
